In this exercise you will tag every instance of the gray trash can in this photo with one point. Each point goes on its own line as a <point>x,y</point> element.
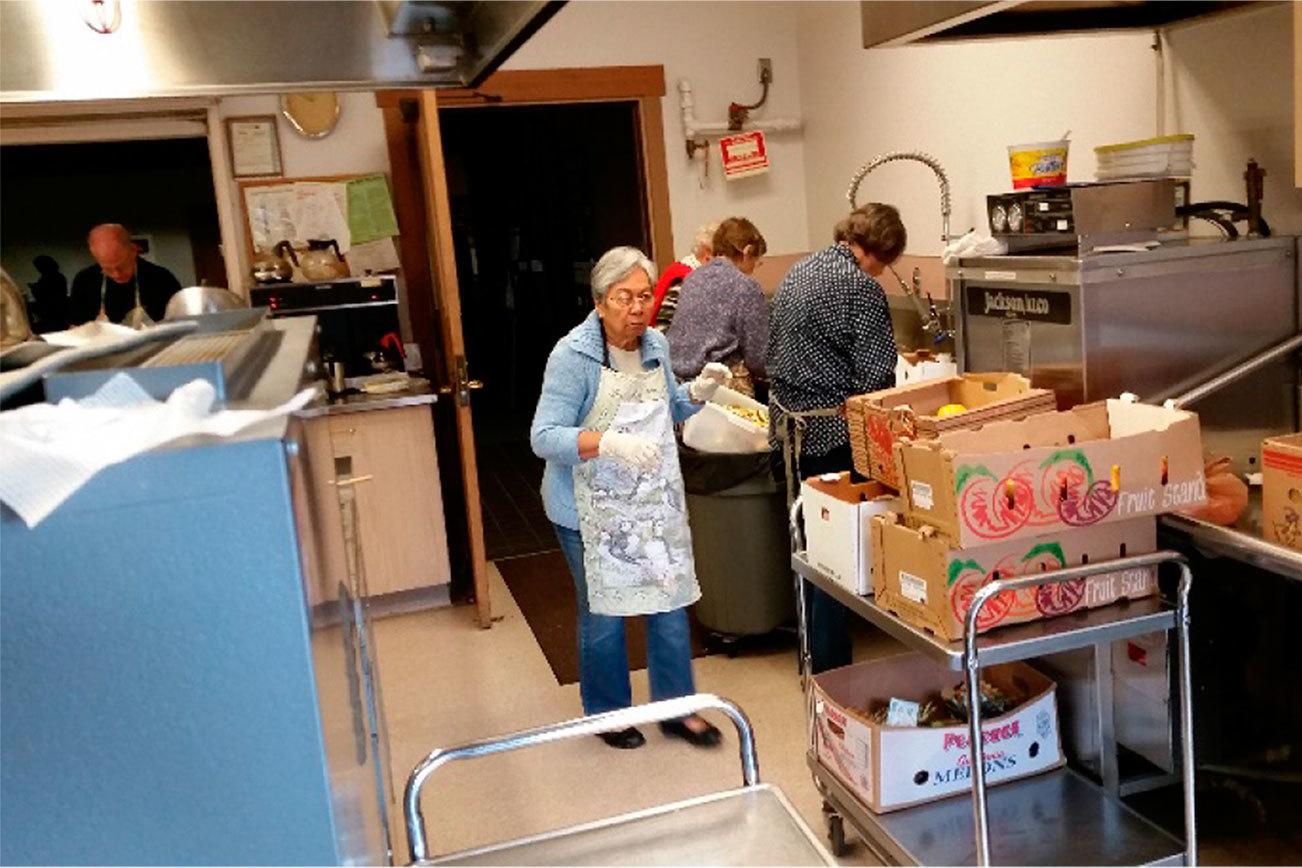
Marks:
<point>737,513</point>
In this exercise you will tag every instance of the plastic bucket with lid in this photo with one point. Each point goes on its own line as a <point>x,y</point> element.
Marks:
<point>1038,164</point>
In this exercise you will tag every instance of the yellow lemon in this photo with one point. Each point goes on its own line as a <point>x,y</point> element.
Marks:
<point>950,410</point>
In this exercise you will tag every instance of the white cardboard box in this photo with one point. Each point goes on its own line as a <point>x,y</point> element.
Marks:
<point>893,767</point>
<point>838,539</point>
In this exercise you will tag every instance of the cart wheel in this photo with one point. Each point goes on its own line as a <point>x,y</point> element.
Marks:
<point>836,835</point>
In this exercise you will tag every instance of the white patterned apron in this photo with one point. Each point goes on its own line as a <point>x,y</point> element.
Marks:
<point>637,549</point>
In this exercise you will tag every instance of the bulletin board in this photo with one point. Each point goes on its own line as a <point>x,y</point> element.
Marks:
<point>355,210</point>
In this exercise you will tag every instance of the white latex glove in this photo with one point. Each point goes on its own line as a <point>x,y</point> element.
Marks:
<point>638,452</point>
<point>712,376</point>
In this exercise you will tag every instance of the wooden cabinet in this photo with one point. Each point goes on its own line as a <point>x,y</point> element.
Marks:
<point>390,455</point>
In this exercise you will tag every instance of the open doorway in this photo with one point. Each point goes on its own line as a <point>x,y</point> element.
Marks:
<point>161,189</point>
<point>537,194</point>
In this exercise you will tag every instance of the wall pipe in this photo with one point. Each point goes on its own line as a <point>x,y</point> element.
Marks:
<point>694,128</point>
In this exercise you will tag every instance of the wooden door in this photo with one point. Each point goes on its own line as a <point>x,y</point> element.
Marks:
<point>443,268</point>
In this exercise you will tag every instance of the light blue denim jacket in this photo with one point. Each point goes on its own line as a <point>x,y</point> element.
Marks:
<point>569,389</point>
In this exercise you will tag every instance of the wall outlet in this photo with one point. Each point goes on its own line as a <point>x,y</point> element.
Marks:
<point>765,70</point>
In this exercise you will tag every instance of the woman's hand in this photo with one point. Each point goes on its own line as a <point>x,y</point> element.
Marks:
<point>640,453</point>
<point>712,376</point>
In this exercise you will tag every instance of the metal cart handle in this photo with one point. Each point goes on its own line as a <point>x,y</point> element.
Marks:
<point>653,712</point>
<point>976,750</point>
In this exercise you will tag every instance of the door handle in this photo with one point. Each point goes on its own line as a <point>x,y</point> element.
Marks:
<point>354,480</point>
<point>462,385</point>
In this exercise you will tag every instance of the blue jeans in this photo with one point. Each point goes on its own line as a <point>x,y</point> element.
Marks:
<point>603,658</point>
<point>828,619</point>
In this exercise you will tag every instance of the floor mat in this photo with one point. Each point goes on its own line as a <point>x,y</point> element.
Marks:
<point>544,590</point>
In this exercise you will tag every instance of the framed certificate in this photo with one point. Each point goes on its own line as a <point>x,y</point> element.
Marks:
<point>255,146</point>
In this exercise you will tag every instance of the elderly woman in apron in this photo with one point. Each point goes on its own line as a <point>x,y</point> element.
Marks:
<point>612,487</point>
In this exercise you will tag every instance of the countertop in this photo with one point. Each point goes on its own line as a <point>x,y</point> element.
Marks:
<point>1242,542</point>
<point>419,392</point>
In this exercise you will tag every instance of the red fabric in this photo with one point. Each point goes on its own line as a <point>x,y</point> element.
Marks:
<point>673,274</point>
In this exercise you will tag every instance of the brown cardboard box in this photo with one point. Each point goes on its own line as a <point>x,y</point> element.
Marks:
<point>1281,490</point>
<point>838,540</point>
<point>893,767</point>
<point>929,582</point>
<point>1092,464</point>
<point>879,419</point>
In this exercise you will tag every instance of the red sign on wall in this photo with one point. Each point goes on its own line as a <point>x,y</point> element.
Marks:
<point>743,155</point>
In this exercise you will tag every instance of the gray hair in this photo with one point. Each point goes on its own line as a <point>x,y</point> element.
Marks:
<point>616,264</point>
<point>704,237</point>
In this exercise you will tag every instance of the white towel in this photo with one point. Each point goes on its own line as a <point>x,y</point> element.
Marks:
<point>970,245</point>
<point>48,451</point>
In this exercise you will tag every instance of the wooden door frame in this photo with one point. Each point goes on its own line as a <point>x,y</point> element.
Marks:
<point>425,250</point>
<point>644,85</point>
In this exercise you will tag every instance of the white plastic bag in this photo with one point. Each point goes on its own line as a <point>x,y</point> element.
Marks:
<point>714,429</point>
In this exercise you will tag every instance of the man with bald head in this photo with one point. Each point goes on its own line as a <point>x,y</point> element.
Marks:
<point>119,280</point>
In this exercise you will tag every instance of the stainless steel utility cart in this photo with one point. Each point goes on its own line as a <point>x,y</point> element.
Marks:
<point>753,825</point>
<point>1055,818</point>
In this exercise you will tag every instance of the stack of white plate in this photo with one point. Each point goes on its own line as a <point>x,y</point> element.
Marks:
<point>1164,157</point>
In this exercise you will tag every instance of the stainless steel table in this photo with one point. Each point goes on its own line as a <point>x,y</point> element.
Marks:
<point>750,826</point>
<point>753,825</point>
<point>1033,821</point>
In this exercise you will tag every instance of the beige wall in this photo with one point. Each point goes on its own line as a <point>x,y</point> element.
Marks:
<point>716,46</point>
<point>961,102</point>
<point>1227,83</point>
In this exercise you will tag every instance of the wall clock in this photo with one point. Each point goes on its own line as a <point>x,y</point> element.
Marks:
<point>312,115</point>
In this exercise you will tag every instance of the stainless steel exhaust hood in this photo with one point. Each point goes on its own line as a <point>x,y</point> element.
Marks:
<point>887,23</point>
<point>54,50</point>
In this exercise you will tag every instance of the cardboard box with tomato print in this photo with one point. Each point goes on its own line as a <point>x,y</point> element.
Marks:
<point>878,420</point>
<point>927,581</point>
<point>893,767</point>
<point>1093,464</point>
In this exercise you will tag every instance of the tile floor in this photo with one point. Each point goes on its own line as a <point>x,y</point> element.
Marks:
<point>446,681</point>
<point>514,521</point>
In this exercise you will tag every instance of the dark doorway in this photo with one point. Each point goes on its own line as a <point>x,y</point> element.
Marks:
<point>160,189</point>
<point>537,193</point>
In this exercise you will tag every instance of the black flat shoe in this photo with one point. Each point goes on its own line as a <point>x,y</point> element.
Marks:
<point>624,739</point>
<point>708,737</point>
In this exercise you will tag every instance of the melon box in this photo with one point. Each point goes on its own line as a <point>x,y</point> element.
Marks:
<point>892,767</point>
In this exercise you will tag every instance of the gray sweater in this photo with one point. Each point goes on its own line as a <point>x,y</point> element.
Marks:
<point>723,317</point>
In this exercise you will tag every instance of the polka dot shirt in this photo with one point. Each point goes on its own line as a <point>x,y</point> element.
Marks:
<point>830,338</point>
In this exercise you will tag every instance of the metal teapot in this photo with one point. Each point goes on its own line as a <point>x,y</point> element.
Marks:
<point>273,266</point>
<point>319,263</point>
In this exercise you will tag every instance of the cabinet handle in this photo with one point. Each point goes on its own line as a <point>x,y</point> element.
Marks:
<point>353,480</point>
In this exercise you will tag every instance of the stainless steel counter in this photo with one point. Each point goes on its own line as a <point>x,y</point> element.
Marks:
<point>418,393</point>
<point>1243,542</point>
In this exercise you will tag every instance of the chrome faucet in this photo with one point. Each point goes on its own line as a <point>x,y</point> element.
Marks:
<point>927,312</point>
<point>928,161</point>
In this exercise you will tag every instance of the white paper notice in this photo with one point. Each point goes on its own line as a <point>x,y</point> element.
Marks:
<point>317,212</point>
<point>373,257</point>
<point>270,220</point>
